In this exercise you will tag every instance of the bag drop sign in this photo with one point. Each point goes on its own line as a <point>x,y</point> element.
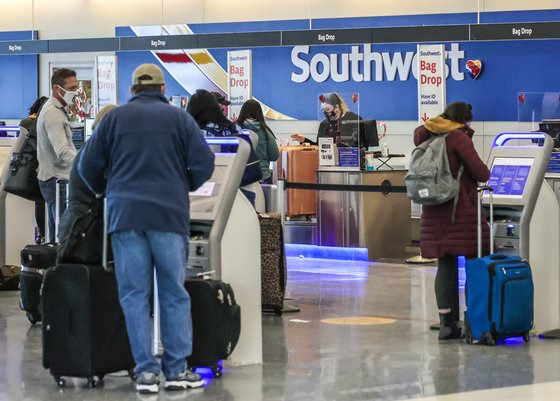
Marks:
<point>239,80</point>
<point>431,81</point>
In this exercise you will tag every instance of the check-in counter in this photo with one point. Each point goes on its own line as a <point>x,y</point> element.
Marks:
<point>378,221</point>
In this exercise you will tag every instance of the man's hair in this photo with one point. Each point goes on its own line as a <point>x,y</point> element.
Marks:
<point>147,88</point>
<point>59,76</point>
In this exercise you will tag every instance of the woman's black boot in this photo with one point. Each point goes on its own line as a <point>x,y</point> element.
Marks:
<point>448,328</point>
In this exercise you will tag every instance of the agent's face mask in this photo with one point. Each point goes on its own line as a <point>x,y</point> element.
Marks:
<point>329,114</point>
<point>68,96</point>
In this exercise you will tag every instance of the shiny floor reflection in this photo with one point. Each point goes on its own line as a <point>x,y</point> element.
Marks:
<point>308,359</point>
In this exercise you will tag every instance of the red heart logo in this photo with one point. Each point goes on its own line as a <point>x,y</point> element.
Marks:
<point>474,68</point>
<point>521,98</point>
<point>354,98</point>
<point>322,98</point>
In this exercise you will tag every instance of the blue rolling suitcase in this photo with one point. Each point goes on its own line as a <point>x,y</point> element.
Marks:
<point>500,294</point>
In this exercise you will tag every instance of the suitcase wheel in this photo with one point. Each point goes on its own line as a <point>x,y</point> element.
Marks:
<point>526,337</point>
<point>93,382</point>
<point>60,381</point>
<point>278,310</point>
<point>217,370</point>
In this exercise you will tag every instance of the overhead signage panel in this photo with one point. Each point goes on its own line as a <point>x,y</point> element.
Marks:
<point>83,45</point>
<point>24,47</point>
<point>447,33</point>
<point>164,42</point>
<point>326,37</point>
<point>244,39</point>
<point>535,30</point>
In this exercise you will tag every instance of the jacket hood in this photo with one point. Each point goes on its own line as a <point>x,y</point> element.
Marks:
<point>441,125</point>
<point>251,124</point>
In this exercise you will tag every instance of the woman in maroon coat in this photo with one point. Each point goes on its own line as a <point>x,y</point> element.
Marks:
<point>439,236</point>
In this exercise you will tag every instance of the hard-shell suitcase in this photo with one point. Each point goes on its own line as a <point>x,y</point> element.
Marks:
<point>216,321</point>
<point>299,164</point>
<point>273,263</point>
<point>500,294</point>
<point>84,331</point>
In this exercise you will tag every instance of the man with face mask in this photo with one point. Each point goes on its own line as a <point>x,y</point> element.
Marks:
<point>55,149</point>
<point>339,123</point>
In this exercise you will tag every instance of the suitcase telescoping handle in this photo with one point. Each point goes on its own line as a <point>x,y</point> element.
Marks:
<point>105,243</point>
<point>481,190</point>
<point>59,182</point>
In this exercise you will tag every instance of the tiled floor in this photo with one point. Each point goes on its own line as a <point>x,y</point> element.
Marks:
<point>308,359</point>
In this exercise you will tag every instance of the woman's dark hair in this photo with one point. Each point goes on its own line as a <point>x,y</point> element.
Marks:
<point>459,112</point>
<point>204,108</point>
<point>37,104</point>
<point>252,109</point>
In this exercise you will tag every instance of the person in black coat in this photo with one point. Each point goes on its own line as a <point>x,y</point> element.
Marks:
<point>81,203</point>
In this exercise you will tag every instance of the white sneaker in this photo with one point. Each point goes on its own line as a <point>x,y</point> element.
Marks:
<point>147,383</point>
<point>184,380</point>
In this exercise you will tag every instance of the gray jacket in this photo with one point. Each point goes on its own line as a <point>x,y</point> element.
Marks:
<point>55,149</point>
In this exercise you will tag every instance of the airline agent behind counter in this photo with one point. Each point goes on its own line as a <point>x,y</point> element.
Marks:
<point>333,126</point>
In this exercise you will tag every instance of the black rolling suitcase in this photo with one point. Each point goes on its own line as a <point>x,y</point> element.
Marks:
<point>84,331</point>
<point>273,263</point>
<point>216,320</point>
<point>35,259</point>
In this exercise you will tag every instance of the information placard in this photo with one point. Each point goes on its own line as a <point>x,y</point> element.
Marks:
<point>239,80</point>
<point>431,81</point>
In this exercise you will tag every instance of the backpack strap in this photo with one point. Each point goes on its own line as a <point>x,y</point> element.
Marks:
<point>456,199</point>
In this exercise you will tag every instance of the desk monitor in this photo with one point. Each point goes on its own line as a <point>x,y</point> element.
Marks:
<point>508,176</point>
<point>368,133</point>
<point>365,130</point>
<point>88,127</point>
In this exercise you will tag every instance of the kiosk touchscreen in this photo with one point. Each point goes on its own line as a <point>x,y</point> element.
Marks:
<point>88,127</point>
<point>509,175</point>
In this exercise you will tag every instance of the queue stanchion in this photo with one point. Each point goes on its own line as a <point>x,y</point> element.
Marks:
<point>281,199</point>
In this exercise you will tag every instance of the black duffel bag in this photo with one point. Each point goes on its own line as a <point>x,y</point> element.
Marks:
<point>22,177</point>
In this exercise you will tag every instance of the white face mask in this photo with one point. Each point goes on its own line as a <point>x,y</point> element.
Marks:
<point>68,95</point>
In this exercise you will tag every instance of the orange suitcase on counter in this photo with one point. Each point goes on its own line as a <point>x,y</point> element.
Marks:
<point>299,164</point>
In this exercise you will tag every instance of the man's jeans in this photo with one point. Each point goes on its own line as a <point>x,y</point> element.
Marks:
<point>48,190</point>
<point>136,255</point>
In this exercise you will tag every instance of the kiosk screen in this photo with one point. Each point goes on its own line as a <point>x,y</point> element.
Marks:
<point>509,175</point>
<point>88,127</point>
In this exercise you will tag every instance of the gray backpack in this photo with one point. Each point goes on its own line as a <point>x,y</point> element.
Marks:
<point>429,180</point>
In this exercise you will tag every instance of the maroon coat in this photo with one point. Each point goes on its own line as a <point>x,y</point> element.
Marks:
<point>439,237</point>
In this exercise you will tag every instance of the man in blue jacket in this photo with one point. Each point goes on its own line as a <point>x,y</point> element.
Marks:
<point>151,155</point>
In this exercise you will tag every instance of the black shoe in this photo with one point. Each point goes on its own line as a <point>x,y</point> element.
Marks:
<point>448,328</point>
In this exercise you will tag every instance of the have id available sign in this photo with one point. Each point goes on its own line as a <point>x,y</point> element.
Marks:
<point>431,81</point>
<point>239,80</point>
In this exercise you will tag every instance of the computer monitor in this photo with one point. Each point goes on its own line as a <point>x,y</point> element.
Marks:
<point>368,133</point>
<point>88,127</point>
<point>508,176</point>
<point>552,128</point>
<point>365,130</point>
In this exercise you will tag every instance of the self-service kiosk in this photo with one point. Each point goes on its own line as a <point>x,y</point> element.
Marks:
<point>225,238</point>
<point>527,216</point>
<point>17,222</point>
